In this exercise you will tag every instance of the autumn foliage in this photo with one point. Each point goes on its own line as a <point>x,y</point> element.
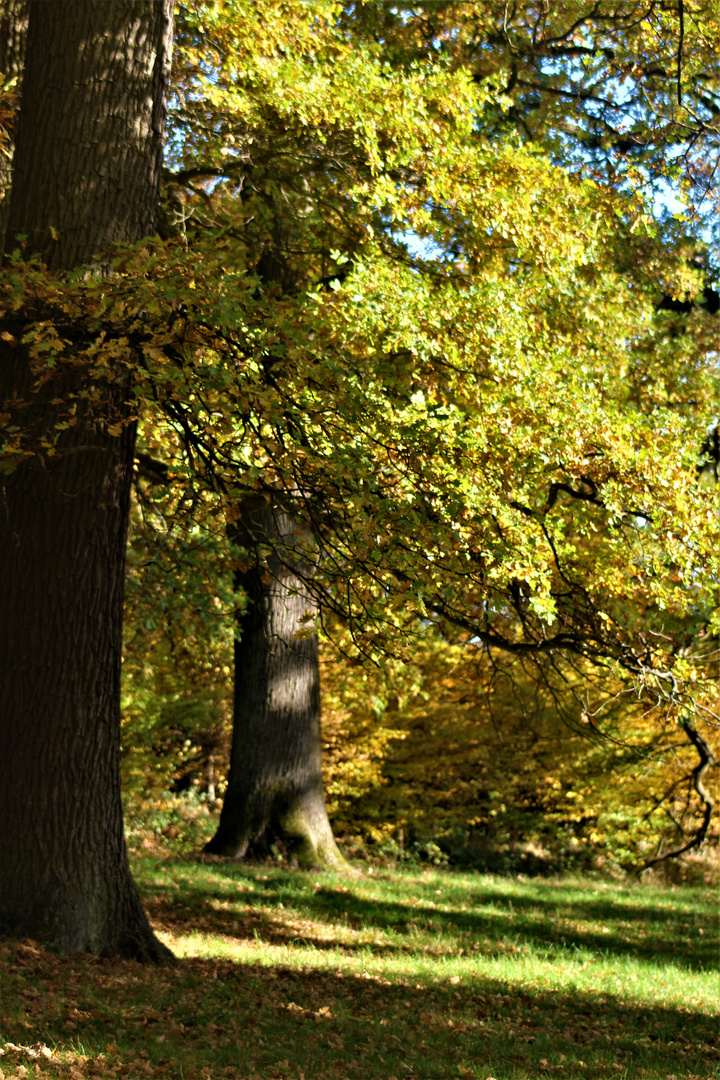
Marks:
<point>415,277</point>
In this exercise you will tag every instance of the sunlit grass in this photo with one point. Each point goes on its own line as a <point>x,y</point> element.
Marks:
<point>392,974</point>
<point>658,945</point>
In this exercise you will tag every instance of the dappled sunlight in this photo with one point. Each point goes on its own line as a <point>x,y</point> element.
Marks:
<point>587,925</point>
<point>293,975</point>
<point>233,1014</point>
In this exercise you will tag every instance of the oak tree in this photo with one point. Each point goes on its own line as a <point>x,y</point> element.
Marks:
<point>275,789</point>
<point>86,176</point>
<point>467,424</point>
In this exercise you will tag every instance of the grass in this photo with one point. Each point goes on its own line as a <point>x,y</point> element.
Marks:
<point>424,974</point>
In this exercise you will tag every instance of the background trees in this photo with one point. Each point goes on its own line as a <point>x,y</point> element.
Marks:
<point>457,361</point>
<point>464,759</point>
<point>431,329</point>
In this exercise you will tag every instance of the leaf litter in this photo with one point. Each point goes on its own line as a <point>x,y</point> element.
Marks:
<point>258,1000</point>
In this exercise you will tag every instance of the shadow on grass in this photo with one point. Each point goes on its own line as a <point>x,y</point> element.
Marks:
<point>258,927</point>
<point>242,1020</point>
<point>549,922</point>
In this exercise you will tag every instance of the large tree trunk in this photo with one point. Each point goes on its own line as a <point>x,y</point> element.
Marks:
<point>275,790</point>
<point>86,174</point>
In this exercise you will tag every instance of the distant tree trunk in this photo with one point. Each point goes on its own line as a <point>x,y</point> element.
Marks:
<point>86,174</point>
<point>275,790</point>
<point>13,35</point>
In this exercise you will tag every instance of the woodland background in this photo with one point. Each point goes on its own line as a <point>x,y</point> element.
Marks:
<point>437,284</point>
<point>446,763</point>
<point>468,252</point>
<point>448,751</point>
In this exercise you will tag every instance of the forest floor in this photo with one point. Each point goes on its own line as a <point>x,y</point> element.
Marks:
<point>386,974</point>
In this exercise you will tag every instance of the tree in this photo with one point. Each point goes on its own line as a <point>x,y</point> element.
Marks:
<point>176,663</point>
<point>13,31</point>
<point>86,176</point>
<point>498,433</point>
<point>275,790</point>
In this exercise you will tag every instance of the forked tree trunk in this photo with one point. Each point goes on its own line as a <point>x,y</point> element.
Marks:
<point>275,790</point>
<point>86,174</point>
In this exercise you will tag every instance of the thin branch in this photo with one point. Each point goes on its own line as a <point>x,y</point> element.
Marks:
<point>681,13</point>
<point>707,760</point>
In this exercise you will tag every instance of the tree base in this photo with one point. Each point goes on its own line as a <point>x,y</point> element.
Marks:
<point>98,913</point>
<point>301,831</point>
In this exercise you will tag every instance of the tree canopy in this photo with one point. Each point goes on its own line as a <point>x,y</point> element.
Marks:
<point>421,278</point>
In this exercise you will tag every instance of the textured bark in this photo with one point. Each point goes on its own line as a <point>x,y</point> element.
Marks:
<point>87,163</point>
<point>13,31</point>
<point>88,155</point>
<point>275,790</point>
<point>13,34</point>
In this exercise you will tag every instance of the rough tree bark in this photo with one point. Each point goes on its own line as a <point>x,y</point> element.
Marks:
<point>86,174</point>
<point>275,790</point>
<point>13,34</point>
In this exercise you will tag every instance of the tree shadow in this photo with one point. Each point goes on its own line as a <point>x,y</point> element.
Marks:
<point>245,1019</point>
<point>258,927</point>
<point>545,924</point>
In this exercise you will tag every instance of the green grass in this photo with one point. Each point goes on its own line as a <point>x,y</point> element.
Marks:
<point>392,974</point>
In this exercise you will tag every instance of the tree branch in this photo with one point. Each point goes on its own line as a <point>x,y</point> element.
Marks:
<point>707,759</point>
<point>681,13</point>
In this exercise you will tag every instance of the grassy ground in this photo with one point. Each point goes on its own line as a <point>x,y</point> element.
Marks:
<point>419,974</point>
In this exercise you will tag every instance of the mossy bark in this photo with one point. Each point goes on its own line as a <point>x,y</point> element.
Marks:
<point>275,790</point>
